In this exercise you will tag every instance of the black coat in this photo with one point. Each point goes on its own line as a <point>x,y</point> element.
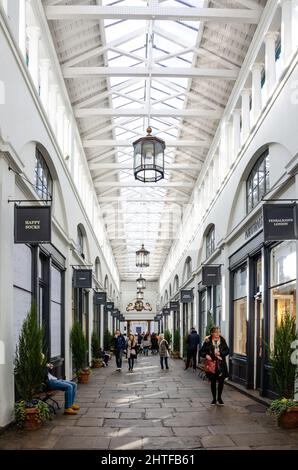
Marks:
<point>193,341</point>
<point>208,349</point>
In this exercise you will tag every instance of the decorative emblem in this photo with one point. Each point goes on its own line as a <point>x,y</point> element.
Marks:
<point>139,306</point>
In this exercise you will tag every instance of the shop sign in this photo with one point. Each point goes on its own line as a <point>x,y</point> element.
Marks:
<point>211,275</point>
<point>175,306</point>
<point>254,228</point>
<point>186,296</point>
<point>32,224</point>
<point>158,317</point>
<point>280,222</point>
<point>115,313</point>
<point>100,298</point>
<point>82,278</point>
<point>166,311</point>
<point>110,306</point>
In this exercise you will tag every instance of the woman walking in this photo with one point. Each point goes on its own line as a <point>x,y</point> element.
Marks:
<point>131,351</point>
<point>215,350</point>
<point>163,351</point>
<point>146,343</point>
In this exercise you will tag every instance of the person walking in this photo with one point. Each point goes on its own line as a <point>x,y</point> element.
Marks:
<point>193,343</point>
<point>215,350</point>
<point>131,351</point>
<point>146,343</point>
<point>154,344</point>
<point>163,351</point>
<point>119,346</point>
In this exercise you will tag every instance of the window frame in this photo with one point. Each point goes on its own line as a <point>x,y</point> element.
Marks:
<point>254,190</point>
<point>43,178</point>
<point>210,242</point>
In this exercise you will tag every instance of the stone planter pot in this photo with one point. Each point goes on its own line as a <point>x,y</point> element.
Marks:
<point>289,419</point>
<point>84,377</point>
<point>31,422</point>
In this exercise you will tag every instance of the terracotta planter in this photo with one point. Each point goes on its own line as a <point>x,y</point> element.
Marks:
<point>289,419</point>
<point>97,365</point>
<point>175,355</point>
<point>84,377</point>
<point>31,422</point>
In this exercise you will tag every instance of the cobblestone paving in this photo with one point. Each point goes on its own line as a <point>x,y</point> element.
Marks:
<point>154,409</point>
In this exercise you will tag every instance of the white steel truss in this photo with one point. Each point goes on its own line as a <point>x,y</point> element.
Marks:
<point>129,63</point>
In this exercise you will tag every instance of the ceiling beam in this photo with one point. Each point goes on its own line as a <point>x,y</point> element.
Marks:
<point>133,184</point>
<point>128,166</point>
<point>180,72</point>
<point>97,12</point>
<point>124,143</point>
<point>178,199</point>
<point>165,112</point>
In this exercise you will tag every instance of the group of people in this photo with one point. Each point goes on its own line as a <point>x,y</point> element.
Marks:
<point>134,344</point>
<point>214,350</point>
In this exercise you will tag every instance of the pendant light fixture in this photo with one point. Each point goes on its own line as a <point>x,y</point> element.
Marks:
<point>141,282</point>
<point>149,158</point>
<point>142,258</point>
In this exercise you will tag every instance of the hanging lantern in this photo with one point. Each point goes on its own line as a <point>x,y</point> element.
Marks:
<point>140,295</point>
<point>149,158</point>
<point>141,283</point>
<point>142,258</point>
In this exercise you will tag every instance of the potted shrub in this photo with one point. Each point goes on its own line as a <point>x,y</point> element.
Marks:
<point>95,348</point>
<point>107,340</point>
<point>29,370</point>
<point>283,373</point>
<point>168,337</point>
<point>286,412</point>
<point>79,353</point>
<point>176,345</point>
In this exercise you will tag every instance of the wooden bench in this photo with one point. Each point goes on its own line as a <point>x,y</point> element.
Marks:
<point>46,397</point>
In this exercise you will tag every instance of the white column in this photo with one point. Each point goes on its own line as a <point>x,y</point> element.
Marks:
<point>270,63</point>
<point>236,138</point>
<point>53,99</point>
<point>22,27</point>
<point>60,126</point>
<point>44,82</point>
<point>72,149</point>
<point>245,113</point>
<point>295,25</point>
<point>223,149</point>
<point>286,30</point>
<point>256,71</point>
<point>34,35</point>
<point>66,139</point>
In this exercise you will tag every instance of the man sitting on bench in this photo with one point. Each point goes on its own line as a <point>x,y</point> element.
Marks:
<point>70,389</point>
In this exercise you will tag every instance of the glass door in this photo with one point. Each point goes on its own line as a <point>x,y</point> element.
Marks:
<point>259,341</point>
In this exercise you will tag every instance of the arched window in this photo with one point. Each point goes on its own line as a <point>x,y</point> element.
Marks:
<point>80,242</point>
<point>188,268</point>
<point>257,184</point>
<point>98,269</point>
<point>210,242</point>
<point>43,179</point>
<point>176,283</point>
<point>106,284</point>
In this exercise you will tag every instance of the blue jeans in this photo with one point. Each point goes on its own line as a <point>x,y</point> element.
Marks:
<point>70,389</point>
<point>166,362</point>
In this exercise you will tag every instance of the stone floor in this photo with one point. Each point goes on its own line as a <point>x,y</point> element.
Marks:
<point>154,409</point>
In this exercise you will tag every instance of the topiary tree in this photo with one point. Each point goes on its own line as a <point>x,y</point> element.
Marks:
<point>283,371</point>
<point>79,347</point>
<point>176,345</point>
<point>210,323</point>
<point>168,337</point>
<point>95,346</point>
<point>30,362</point>
<point>107,340</point>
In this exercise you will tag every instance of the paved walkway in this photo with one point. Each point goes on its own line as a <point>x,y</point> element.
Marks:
<point>154,409</point>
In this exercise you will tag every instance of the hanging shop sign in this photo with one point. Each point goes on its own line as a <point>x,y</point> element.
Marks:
<point>32,224</point>
<point>100,298</point>
<point>110,306</point>
<point>82,278</point>
<point>115,313</point>
<point>158,317</point>
<point>166,311</point>
<point>280,222</point>
<point>211,275</point>
<point>175,305</point>
<point>186,296</point>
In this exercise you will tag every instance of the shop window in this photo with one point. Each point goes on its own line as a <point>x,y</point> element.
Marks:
<point>43,179</point>
<point>258,182</point>
<point>240,311</point>
<point>218,301</point>
<point>282,283</point>
<point>210,242</point>
<point>56,312</point>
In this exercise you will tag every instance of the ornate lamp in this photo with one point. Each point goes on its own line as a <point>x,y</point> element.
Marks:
<point>140,295</point>
<point>141,283</point>
<point>149,158</point>
<point>142,258</point>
